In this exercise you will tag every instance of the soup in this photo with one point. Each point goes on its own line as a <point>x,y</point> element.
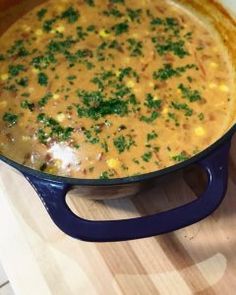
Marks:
<point>110,89</point>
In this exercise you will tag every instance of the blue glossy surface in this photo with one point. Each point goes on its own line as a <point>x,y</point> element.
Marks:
<point>53,194</point>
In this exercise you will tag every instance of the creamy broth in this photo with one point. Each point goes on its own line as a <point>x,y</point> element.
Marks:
<point>110,89</point>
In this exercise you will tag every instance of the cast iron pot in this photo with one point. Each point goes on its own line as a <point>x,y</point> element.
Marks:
<point>52,190</point>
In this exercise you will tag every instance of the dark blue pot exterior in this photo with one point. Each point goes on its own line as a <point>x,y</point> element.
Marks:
<point>53,195</point>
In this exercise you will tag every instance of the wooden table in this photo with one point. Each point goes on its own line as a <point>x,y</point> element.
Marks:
<point>40,259</point>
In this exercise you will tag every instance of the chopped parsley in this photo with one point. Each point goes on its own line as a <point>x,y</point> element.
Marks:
<point>173,117</point>
<point>134,14</point>
<point>184,107</point>
<point>71,15</point>
<point>188,93</point>
<point>127,72</point>
<point>135,47</point>
<point>120,28</point>
<point>56,130</point>
<point>44,100</point>
<point>18,49</point>
<point>107,174</point>
<point>152,103</point>
<point>42,79</point>
<point>10,118</point>
<point>169,46</point>
<point>48,24</point>
<point>90,2</point>
<point>15,70</point>
<point>201,116</point>
<point>181,157</point>
<point>151,136</point>
<point>24,82</point>
<point>81,33</point>
<point>147,157</point>
<point>151,118</point>
<point>41,13</point>
<point>113,12</point>
<point>123,143</point>
<point>168,71</point>
<point>43,61</point>
<point>26,104</point>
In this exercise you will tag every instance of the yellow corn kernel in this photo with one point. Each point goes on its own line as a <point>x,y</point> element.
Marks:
<point>60,29</point>
<point>55,96</point>
<point>135,35</point>
<point>113,163</point>
<point>25,138</point>
<point>155,97</point>
<point>26,28</point>
<point>60,118</point>
<point>224,88</point>
<point>212,85</point>
<point>127,60</point>
<point>31,89</point>
<point>4,77</point>
<point>58,163</point>
<point>117,73</point>
<point>214,65</point>
<point>35,71</point>
<point>103,34</point>
<point>39,32</point>
<point>200,131</point>
<point>165,111</point>
<point>3,104</point>
<point>151,84</point>
<point>130,83</point>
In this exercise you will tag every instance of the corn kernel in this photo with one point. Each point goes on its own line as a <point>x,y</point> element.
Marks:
<point>35,71</point>
<point>224,88</point>
<point>113,163</point>
<point>55,96</point>
<point>4,77</point>
<point>151,84</point>
<point>130,83</point>
<point>103,34</point>
<point>39,32</point>
<point>165,111</point>
<point>214,65</point>
<point>60,29</point>
<point>26,28</point>
<point>31,89</point>
<point>200,131</point>
<point>212,85</point>
<point>61,117</point>
<point>25,138</point>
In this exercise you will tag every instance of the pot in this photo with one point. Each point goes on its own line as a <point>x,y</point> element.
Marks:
<point>52,190</point>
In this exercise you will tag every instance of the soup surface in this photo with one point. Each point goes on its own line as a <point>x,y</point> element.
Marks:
<point>111,88</point>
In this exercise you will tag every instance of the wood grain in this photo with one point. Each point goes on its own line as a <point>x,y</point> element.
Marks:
<point>39,259</point>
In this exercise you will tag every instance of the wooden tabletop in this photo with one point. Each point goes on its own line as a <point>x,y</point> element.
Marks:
<point>40,259</point>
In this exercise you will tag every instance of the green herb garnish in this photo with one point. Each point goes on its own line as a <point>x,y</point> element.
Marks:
<point>10,118</point>
<point>123,143</point>
<point>42,79</point>
<point>188,93</point>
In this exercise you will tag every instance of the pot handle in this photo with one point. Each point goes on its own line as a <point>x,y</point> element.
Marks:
<point>53,195</point>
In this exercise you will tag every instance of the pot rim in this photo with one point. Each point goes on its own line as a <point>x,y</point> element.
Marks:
<point>121,181</point>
